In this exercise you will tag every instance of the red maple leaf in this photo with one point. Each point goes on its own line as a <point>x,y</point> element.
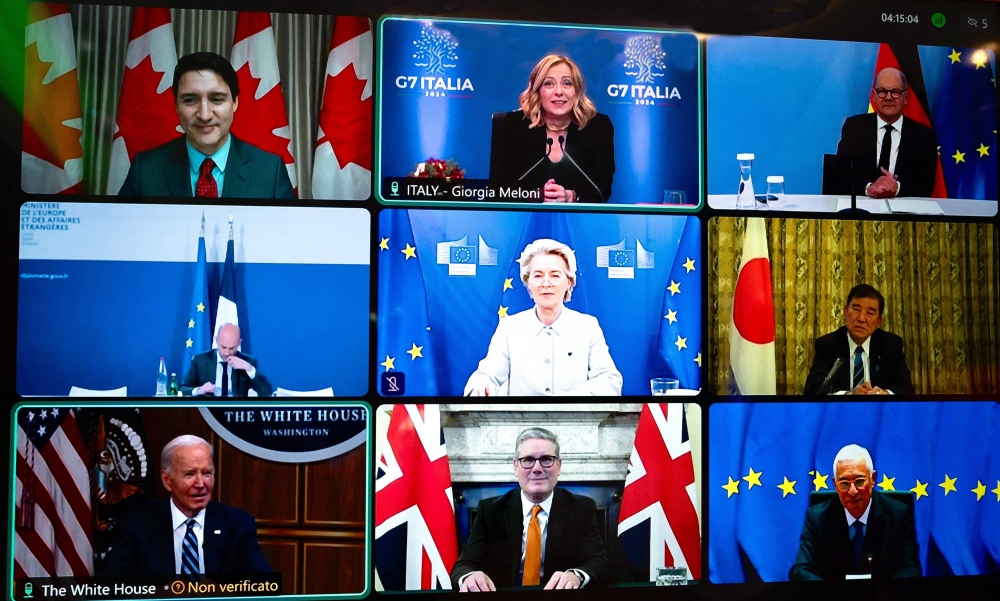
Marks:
<point>256,119</point>
<point>145,119</point>
<point>46,107</point>
<point>347,120</point>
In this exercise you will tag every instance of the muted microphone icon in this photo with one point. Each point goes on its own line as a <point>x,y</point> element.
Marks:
<point>395,188</point>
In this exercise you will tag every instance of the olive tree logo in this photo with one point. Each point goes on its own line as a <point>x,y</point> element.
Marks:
<point>435,50</point>
<point>643,58</point>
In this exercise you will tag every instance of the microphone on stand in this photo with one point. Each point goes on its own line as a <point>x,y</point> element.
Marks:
<point>548,150</point>
<point>829,376</point>
<point>562,146</point>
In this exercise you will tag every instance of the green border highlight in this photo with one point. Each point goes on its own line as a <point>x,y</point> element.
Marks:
<point>613,208</point>
<point>369,501</point>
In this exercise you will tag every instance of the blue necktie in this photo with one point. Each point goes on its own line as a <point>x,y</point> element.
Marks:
<point>858,541</point>
<point>189,551</point>
<point>859,368</point>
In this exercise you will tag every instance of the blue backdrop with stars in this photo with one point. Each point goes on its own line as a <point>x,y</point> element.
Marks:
<point>436,327</point>
<point>765,459</point>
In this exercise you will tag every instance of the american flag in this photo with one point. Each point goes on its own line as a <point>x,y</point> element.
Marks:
<point>658,525</point>
<point>415,541</point>
<point>53,530</point>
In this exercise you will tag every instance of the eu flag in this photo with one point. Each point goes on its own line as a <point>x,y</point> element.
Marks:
<point>767,457</point>
<point>965,120</point>
<point>198,337</point>
<point>679,340</point>
<point>406,346</point>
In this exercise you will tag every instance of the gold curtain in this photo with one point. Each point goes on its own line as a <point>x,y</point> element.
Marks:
<point>939,280</point>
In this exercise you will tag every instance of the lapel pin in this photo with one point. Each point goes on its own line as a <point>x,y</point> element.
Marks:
<point>217,532</point>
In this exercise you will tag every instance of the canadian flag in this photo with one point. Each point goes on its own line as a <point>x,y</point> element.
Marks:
<point>146,110</point>
<point>751,333</point>
<point>51,152</point>
<point>261,119</point>
<point>342,168</point>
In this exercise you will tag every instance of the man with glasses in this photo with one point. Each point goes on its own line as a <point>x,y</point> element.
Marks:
<point>888,154</point>
<point>535,535</point>
<point>862,533</point>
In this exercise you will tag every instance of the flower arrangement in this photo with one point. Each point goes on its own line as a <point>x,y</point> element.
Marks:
<point>439,168</point>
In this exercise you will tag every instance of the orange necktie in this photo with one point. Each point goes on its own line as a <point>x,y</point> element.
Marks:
<point>533,551</point>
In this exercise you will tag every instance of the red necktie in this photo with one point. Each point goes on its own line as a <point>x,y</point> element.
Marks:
<point>206,186</point>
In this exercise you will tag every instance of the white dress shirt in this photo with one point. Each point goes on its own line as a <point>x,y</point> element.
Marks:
<point>897,129</point>
<point>180,529</point>
<point>569,357</point>
<point>865,361</point>
<point>252,372</point>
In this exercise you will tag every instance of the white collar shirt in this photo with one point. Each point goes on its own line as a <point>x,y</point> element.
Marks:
<point>179,522</point>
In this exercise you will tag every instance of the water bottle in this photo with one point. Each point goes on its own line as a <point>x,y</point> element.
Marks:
<point>161,379</point>
<point>174,389</point>
<point>744,197</point>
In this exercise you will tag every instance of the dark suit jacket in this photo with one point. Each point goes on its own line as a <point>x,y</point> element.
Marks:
<point>916,163</point>
<point>250,172</point>
<point>144,542</point>
<point>572,541</point>
<point>519,147</point>
<point>825,551</point>
<point>203,369</point>
<point>887,363</point>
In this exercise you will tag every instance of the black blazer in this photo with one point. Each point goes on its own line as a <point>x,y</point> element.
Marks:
<point>573,540</point>
<point>144,542</point>
<point>250,172</point>
<point>516,147</point>
<point>887,363</point>
<point>825,551</point>
<point>916,163</point>
<point>203,369</point>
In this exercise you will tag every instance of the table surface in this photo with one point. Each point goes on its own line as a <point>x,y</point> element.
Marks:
<point>821,203</point>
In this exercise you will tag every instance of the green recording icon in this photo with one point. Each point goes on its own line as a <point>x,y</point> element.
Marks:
<point>938,20</point>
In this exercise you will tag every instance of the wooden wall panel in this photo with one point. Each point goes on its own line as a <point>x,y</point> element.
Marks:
<point>267,490</point>
<point>336,490</point>
<point>318,558</point>
<point>283,556</point>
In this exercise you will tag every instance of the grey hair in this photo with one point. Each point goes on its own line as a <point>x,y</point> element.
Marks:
<point>547,246</point>
<point>902,76</point>
<point>853,451</point>
<point>185,440</point>
<point>535,433</point>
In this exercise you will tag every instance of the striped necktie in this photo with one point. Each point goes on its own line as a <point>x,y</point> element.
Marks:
<point>189,551</point>
<point>859,368</point>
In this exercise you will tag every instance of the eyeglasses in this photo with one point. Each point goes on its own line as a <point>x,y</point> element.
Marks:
<point>845,485</point>
<point>895,94</point>
<point>544,461</point>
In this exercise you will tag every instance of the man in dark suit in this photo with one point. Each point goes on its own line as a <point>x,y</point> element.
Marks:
<point>891,155</point>
<point>535,534</point>
<point>187,533</point>
<point>872,361</point>
<point>207,161</point>
<point>863,532</point>
<point>225,371</point>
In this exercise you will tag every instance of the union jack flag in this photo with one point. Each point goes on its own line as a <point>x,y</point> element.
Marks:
<point>415,541</point>
<point>658,524</point>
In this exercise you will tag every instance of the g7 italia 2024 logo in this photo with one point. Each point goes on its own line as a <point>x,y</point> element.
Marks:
<point>645,61</point>
<point>436,52</point>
